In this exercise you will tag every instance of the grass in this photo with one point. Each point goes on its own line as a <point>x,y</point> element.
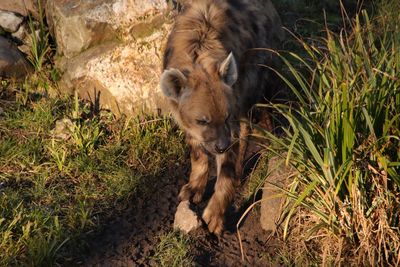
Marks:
<point>39,38</point>
<point>173,250</point>
<point>343,139</point>
<point>57,189</point>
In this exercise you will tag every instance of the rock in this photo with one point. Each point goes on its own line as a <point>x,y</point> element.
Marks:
<point>120,77</point>
<point>63,129</point>
<point>111,50</point>
<point>12,62</point>
<point>24,39</point>
<point>21,33</point>
<point>185,219</point>
<point>78,25</point>
<point>22,7</point>
<point>9,21</point>
<point>271,204</point>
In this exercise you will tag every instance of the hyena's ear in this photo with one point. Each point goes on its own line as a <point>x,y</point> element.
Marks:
<point>172,83</point>
<point>228,70</point>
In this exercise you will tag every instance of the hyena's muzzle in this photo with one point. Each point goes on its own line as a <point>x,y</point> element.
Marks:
<point>221,142</point>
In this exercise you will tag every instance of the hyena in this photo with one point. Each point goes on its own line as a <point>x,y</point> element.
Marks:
<point>214,72</point>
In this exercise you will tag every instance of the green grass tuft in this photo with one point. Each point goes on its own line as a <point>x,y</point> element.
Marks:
<point>173,250</point>
<point>343,138</point>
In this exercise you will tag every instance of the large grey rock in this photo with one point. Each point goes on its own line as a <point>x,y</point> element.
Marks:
<point>271,203</point>
<point>120,77</point>
<point>78,25</point>
<point>186,220</point>
<point>12,61</point>
<point>22,7</point>
<point>9,21</point>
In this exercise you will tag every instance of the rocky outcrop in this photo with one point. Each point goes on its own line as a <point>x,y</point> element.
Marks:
<point>111,50</point>
<point>122,77</point>
<point>272,199</point>
<point>21,7</point>
<point>12,61</point>
<point>78,25</point>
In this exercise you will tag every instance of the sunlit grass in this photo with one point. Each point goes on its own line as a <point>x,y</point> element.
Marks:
<point>55,191</point>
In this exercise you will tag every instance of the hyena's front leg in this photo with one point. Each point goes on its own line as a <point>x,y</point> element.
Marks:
<point>224,192</point>
<point>198,176</point>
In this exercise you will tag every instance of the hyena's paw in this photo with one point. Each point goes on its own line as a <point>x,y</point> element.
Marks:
<point>214,220</point>
<point>187,192</point>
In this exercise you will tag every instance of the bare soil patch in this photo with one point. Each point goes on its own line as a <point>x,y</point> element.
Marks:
<point>131,238</point>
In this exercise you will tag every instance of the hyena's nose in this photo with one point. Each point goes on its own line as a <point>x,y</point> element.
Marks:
<point>222,146</point>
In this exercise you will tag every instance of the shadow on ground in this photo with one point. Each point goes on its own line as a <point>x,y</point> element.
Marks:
<point>131,238</point>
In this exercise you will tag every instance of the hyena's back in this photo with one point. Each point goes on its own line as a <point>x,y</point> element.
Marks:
<point>207,30</point>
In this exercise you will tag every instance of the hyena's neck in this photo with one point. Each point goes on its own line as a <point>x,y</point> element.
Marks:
<point>196,38</point>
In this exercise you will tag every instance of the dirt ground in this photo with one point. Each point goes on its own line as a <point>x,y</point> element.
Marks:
<point>131,238</point>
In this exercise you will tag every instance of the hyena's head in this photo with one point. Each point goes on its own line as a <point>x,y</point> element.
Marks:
<point>204,104</point>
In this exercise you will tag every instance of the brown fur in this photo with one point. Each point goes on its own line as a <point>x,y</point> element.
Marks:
<point>212,78</point>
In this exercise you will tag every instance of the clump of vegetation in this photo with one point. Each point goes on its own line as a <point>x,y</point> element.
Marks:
<point>40,46</point>
<point>343,138</point>
<point>57,187</point>
<point>173,250</point>
<point>65,166</point>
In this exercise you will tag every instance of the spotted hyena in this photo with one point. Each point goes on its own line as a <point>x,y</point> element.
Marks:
<point>214,72</point>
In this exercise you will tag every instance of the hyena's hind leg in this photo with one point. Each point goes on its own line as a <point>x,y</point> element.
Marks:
<point>224,192</point>
<point>198,177</point>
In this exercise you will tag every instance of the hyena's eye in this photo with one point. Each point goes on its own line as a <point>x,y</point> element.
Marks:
<point>202,122</point>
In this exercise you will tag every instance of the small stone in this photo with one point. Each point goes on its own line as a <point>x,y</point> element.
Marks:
<point>9,21</point>
<point>21,33</point>
<point>63,129</point>
<point>185,219</point>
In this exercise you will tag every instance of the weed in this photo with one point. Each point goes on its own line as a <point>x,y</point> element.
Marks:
<point>58,153</point>
<point>173,250</point>
<point>40,47</point>
<point>256,179</point>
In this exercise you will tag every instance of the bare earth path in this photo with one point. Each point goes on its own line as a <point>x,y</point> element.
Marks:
<point>131,238</point>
